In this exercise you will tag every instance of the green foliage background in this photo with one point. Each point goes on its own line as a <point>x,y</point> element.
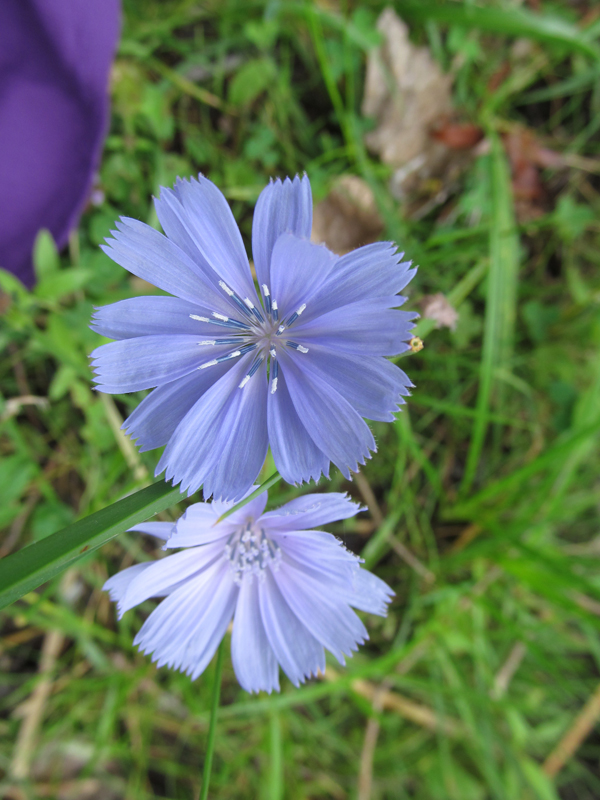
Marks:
<point>489,478</point>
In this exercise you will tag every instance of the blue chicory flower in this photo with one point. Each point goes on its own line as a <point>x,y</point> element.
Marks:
<point>289,590</point>
<point>297,369</point>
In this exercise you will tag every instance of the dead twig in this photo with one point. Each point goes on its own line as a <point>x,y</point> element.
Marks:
<point>393,701</point>
<point>32,710</point>
<point>15,404</point>
<point>365,773</point>
<point>412,561</point>
<point>573,738</point>
<point>368,495</point>
<point>506,672</point>
<point>126,446</point>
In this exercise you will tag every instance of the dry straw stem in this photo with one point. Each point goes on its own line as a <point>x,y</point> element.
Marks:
<point>365,775</point>
<point>32,710</point>
<point>399,548</point>
<point>573,738</point>
<point>126,446</point>
<point>393,701</point>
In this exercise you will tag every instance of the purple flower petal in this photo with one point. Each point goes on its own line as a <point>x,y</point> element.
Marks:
<point>304,513</point>
<point>156,418</point>
<point>330,621</point>
<point>243,446</point>
<point>351,329</point>
<point>375,270</point>
<point>375,391</point>
<point>195,449</point>
<point>292,284</point>
<point>151,316</point>
<point>130,365</point>
<point>334,426</point>
<point>253,658</point>
<point>207,220</point>
<point>56,59</point>
<point>167,572</point>
<point>162,530</point>
<point>296,649</point>
<point>296,456</point>
<point>281,207</point>
<point>148,254</point>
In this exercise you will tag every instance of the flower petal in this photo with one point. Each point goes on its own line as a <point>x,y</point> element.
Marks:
<point>296,456</point>
<point>253,658</point>
<point>196,447</point>
<point>156,418</point>
<point>148,254</point>
<point>298,270</point>
<point>334,426</point>
<point>370,327</point>
<point>205,218</point>
<point>162,530</point>
<point>328,618</point>
<point>369,593</point>
<point>243,442</point>
<point>250,512</point>
<point>206,614</point>
<point>168,571</point>
<point>281,207</point>
<point>117,585</point>
<point>305,512</point>
<point>376,390</point>
<point>129,365</point>
<point>295,648</point>
<point>375,270</point>
<point>149,316</point>
<point>185,629</point>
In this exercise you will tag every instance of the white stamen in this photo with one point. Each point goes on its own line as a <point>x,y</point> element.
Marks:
<point>208,364</point>
<point>281,329</point>
<point>207,342</point>
<point>301,309</point>
<point>302,349</point>
<point>244,382</point>
<point>265,289</point>
<point>226,288</point>
<point>273,385</point>
<point>274,305</point>
<point>200,319</point>
<point>249,303</point>
<point>220,316</point>
<point>273,352</point>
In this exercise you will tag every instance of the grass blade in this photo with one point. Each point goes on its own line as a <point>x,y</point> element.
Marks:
<point>500,302</point>
<point>39,562</point>
<point>512,22</point>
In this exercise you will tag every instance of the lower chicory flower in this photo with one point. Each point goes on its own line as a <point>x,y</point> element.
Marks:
<point>289,589</point>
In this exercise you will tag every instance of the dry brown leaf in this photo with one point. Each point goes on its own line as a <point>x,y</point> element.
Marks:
<point>405,90</point>
<point>410,98</point>
<point>348,217</point>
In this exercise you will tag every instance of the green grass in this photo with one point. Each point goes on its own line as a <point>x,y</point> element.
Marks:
<point>489,477</point>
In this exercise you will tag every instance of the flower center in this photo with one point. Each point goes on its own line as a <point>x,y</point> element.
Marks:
<point>258,329</point>
<point>250,552</point>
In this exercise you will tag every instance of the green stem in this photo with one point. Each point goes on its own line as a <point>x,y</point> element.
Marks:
<point>262,488</point>
<point>212,728</point>
<point>276,776</point>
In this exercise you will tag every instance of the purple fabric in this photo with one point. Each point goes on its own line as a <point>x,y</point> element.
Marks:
<point>55,57</point>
